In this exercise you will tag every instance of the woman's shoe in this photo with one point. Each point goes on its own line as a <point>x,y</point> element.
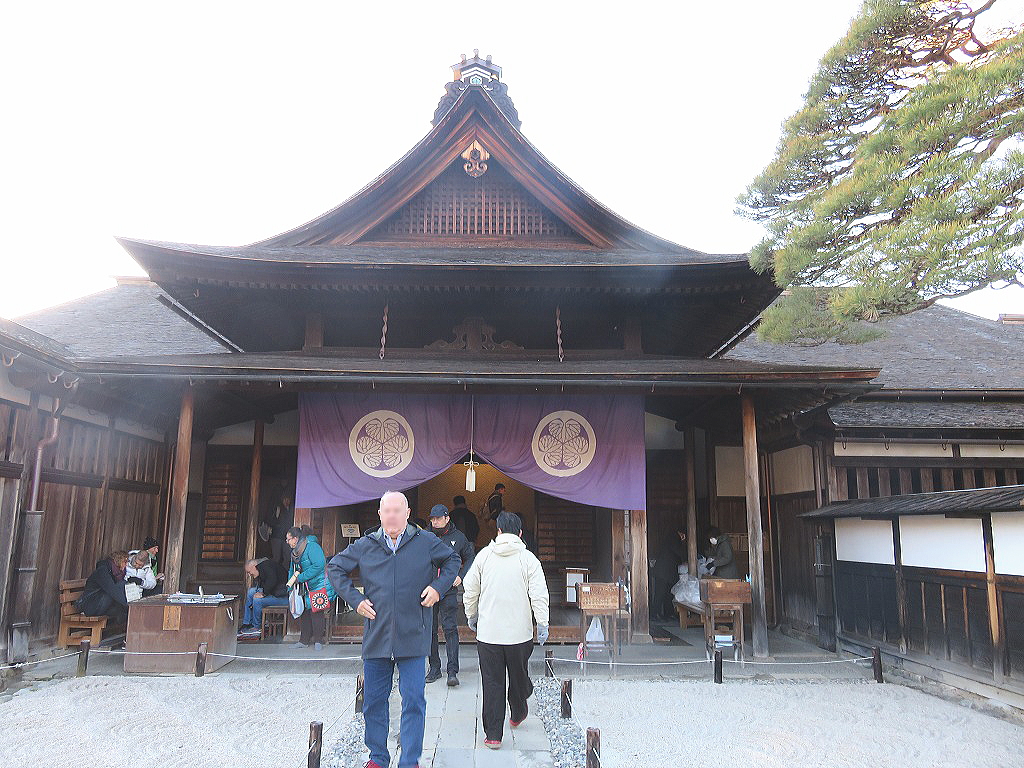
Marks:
<point>492,743</point>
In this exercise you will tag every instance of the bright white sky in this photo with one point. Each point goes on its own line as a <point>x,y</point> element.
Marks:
<point>228,122</point>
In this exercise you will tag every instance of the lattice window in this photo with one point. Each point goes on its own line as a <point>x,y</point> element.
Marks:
<point>457,206</point>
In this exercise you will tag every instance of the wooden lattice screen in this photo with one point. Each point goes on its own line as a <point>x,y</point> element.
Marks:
<point>223,503</point>
<point>493,206</point>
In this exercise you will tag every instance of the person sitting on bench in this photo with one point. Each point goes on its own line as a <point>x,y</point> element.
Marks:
<point>139,570</point>
<point>103,594</point>
<point>270,587</point>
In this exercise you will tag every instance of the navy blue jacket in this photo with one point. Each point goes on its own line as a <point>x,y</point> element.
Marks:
<point>457,540</point>
<point>393,582</point>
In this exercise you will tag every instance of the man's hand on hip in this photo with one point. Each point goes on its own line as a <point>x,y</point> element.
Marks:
<point>365,608</point>
<point>429,596</point>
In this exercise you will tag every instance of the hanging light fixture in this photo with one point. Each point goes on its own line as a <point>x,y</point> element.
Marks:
<point>471,465</point>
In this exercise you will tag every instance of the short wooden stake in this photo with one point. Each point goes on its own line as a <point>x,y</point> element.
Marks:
<point>359,693</point>
<point>316,735</point>
<point>593,748</point>
<point>566,699</point>
<point>549,664</point>
<point>201,660</point>
<point>718,665</point>
<point>83,657</point>
<point>876,664</point>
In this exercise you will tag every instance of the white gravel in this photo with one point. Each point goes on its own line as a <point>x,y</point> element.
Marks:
<point>210,722</point>
<point>784,724</point>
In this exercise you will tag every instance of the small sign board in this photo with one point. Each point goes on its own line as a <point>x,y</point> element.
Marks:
<point>172,617</point>
<point>350,530</point>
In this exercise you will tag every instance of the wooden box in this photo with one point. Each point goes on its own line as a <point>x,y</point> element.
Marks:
<point>156,624</point>
<point>724,591</point>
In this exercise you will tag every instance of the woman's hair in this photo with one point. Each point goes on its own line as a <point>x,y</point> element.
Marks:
<point>714,533</point>
<point>299,531</point>
<point>118,556</point>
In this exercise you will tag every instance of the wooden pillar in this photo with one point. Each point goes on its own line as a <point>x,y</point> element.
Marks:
<point>901,586</point>
<point>179,494</point>
<point>619,545</point>
<point>994,613</point>
<point>303,516</point>
<point>314,338</point>
<point>329,532</point>
<point>640,603</point>
<point>691,499</point>
<point>755,540</point>
<point>253,518</point>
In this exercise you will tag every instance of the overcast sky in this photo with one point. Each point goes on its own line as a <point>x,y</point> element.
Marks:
<point>225,123</point>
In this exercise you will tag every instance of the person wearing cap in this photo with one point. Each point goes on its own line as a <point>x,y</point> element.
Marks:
<point>503,587</point>
<point>447,608</point>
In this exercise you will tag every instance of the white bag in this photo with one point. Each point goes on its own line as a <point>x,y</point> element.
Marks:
<point>295,602</point>
<point>595,634</point>
<point>132,592</point>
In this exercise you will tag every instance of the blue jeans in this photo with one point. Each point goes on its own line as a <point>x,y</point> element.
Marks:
<point>378,675</point>
<point>254,606</point>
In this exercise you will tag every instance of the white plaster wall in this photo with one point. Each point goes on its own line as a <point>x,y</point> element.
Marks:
<point>284,431</point>
<point>935,541</point>
<point>793,470</point>
<point>661,433</point>
<point>729,471</point>
<point>926,450</point>
<point>1008,542</point>
<point>864,541</point>
<point>984,451</point>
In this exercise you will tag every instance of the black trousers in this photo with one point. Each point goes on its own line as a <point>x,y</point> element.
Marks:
<point>447,611</point>
<point>500,664</point>
<point>313,627</point>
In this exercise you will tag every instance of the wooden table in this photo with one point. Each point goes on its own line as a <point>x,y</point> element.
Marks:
<point>158,624</point>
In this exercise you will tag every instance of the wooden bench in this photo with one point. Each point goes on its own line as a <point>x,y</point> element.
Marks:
<point>75,626</point>
<point>690,614</point>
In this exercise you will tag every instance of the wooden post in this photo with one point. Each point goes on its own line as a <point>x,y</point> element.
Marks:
<point>566,699</point>
<point>360,683</point>
<point>303,516</point>
<point>994,614</point>
<point>83,657</point>
<point>314,331</point>
<point>253,519</point>
<point>640,608</point>
<point>201,660</point>
<point>718,665</point>
<point>179,495</point>
<point>876,664</point>
<point>549,666</point>
<point>593,748</point>
<point>755,540</point>
<point>691,499</point>
<point>316,737</point>
<point>902,612</point>
<point>618,545</point>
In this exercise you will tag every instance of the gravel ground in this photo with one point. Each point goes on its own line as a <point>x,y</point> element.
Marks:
<point>566,736</point>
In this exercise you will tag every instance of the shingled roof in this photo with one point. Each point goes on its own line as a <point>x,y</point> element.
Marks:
<point>126,320</point>
<point>933,349</point>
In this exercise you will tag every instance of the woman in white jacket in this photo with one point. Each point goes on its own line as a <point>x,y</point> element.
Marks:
<point>504,586</point>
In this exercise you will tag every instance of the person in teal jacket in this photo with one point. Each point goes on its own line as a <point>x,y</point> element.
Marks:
<point>307,569</point>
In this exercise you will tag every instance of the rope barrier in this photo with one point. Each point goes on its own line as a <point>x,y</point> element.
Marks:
<point>630,663</point>
<point>824,661</point>
<point>20,664</point>
<point>305,757</point>
<point>275,658</point>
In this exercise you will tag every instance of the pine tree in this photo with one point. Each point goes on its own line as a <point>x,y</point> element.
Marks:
<point>901,180</point>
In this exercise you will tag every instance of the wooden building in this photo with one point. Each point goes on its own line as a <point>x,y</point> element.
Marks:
<point>470,267</point>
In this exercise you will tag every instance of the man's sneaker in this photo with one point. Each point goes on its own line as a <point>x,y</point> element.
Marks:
<point>244,627</point>
<point>453,680</point>
<point>517,723</point>
<point>433,675</point>
<point>492,743</point>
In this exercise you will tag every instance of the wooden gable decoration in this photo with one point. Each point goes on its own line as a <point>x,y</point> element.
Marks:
<point>460,208</point>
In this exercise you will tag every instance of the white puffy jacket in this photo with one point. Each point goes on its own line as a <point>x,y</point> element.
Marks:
<point>504,585</point>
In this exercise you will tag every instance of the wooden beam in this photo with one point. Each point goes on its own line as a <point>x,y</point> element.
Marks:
<point>689,460</point>
<point>755,539</point>
<point>994,613</point>
<point>639,606</point>
<point>253,518</point>
<point>179,494</point>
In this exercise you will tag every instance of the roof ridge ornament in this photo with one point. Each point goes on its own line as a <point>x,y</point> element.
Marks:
<point>476,72</point>
<point>476,158</point>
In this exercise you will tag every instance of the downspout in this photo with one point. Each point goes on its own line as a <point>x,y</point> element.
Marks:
<point>21,595</point>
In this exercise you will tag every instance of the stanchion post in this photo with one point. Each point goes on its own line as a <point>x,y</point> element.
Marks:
<point>593,748</point>
<point>876,664</point>
<point>566,699</point>
<point>549,664</point>
<point>718,665</point>
<point>201,660</point>
<point>316,736</point>
<point>359,693</point>
<point>83,657</point>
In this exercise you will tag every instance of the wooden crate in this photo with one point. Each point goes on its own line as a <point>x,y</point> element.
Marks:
<point>724,591</point>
